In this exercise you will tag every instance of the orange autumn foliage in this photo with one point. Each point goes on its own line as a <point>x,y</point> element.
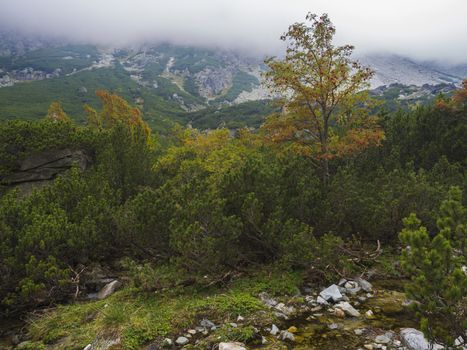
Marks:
<point>325,108</point>
<point>115,110</point>
<point>56,112</point>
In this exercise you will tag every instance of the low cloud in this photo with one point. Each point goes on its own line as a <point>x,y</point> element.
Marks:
<point>427,30</point>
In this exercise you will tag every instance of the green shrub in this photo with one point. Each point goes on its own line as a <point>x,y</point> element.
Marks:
<point>434,264</point>
<point>43,235</point>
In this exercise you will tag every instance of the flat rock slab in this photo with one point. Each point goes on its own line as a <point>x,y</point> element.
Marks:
<point>331,293</point>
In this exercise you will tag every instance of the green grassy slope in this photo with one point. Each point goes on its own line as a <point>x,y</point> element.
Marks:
<point>31,100</point>
<point>49,59</point>
<point>250,114</point>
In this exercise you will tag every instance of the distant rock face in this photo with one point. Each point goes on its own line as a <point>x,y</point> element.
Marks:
<point>39,169</point>
<point>390,69</point>
<point>212,82</point>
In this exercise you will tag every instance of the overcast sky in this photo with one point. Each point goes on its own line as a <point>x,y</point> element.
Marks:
<point>423,29</point>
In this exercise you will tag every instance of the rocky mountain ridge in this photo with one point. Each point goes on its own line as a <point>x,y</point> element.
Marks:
<point>205,73</point>
<point>190,85</point>
<point>394,69</point>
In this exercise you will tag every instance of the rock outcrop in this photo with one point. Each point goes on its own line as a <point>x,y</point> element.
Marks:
<point>108,289</point>
<point>39,169</point>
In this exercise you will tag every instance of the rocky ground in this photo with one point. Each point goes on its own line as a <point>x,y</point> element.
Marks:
<point>351,314</point>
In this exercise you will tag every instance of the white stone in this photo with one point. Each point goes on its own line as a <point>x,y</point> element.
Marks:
<point>316,308</point>
<point>413,339</point>
<point>167,342</point>
<point>286,310</point>
<point>207,324</point>
<point>182,341</point>
<point>348,309</point>
<point>108,289</point>
<point>321,301</point>
<point>342,281</point>
<point>358,331</point>
<point>274,330</point>
<point>310,300</point>
<point>382,339</point>
<point>352,287</point>
<point>267,300</point>
<point>366,286</point>
<point>231,346</point>
<point>331,293</point>
<point>286,335</point>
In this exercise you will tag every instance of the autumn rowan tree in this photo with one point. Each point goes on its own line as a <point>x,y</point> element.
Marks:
<point>115,110</point>
<point>56,112</point>
<point>325,112</point>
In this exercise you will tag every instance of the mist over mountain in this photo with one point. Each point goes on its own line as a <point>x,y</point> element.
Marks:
<point>429,31</point>
<point>211,69</point>
<point>175,61</point>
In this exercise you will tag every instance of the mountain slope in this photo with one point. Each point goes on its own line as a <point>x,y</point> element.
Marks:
<point>205,87</point>
<point>393,69</point>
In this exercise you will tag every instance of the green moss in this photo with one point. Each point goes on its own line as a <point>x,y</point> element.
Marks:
<point>140,317</point>
<point>28,345</point>
<point>236,302</point>
<point>275,282</point>
<point>239,334</point>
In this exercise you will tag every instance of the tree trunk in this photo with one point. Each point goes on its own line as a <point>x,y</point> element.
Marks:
<point>324,151</point>
<point>325,170</point>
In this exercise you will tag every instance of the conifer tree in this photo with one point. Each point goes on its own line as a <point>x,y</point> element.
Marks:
<point>436,267</point>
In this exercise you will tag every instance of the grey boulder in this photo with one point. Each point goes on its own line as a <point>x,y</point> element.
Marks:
<point>348,309</point>
<point>108,289</point>
<point>231,346</point>
<point>413,339</point>
<point>366,286</point>
<point>331,293</point>
<point>182,341</point>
